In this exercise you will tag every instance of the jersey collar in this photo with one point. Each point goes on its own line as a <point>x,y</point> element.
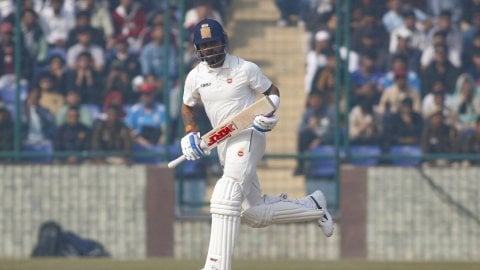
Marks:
<point>226,64</point>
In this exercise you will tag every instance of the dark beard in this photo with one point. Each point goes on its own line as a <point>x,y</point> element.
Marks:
<point>215,61</point>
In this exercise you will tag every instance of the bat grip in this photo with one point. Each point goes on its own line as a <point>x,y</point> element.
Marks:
<point>174,163</point>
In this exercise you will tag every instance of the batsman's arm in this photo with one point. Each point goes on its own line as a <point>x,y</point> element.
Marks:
<point>188,116</point>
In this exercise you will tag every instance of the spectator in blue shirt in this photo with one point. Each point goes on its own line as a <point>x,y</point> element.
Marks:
<point>147,119</point>
<point>154,55</point>
<point>366,81</point>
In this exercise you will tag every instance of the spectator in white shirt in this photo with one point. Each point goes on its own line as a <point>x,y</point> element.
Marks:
<point>85,45</point>
<point>439,39</point>
<point>316,58</point>
<point>436,101</point>
<point>418,38</point>
<point>393,19</point>
<point>56,23</point>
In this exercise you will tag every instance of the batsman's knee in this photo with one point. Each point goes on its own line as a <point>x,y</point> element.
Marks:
<point>257,217</point>
<point>227,197</point>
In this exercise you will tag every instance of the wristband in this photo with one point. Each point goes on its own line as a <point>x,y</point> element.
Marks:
<point>189,128</point>
<point>275,100</point>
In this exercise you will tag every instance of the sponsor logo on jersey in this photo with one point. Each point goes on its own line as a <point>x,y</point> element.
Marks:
<point>240,153</point>
<point>205,84</point>
<point>221,134</point>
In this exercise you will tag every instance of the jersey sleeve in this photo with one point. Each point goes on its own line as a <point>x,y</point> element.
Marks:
<point>190,91</point>
<point>257,80</point>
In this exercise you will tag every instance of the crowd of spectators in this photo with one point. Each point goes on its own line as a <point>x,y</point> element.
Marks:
<point>414,70</point>
<point>96,75</point>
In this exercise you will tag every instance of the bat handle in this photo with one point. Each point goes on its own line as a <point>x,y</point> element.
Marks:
<point>174,163</point>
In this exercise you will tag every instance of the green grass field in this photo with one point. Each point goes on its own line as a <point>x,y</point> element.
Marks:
<point>167,264</point>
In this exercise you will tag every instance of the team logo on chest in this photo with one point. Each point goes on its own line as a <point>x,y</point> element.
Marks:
<point>229,78</point>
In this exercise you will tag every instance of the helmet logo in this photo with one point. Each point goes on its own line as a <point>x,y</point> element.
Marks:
<point>205,31</point>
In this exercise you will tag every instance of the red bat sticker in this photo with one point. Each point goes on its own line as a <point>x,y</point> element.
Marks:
<point>221,134</point>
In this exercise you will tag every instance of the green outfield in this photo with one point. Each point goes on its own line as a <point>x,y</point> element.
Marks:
<point>167,264</point>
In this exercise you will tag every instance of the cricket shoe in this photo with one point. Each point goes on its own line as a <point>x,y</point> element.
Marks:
<point>326,222</point>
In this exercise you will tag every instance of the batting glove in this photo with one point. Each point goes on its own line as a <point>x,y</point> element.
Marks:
<point>193,147</point>
<point>265,123</point>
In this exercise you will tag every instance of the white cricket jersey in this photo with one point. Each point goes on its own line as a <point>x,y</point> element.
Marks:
<point>226,90</point>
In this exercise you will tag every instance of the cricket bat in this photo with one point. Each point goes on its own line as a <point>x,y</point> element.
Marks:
<point>232,126</point>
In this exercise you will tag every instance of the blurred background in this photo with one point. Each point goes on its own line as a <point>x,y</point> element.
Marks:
<point>380,110</point>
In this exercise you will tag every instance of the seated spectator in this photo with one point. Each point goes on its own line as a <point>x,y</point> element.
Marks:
<point>474,69</point>
<point>51,98</point>
<point>57,70</point>
<point>129,21</point>
<point>147,119</point>
<point>112,134</point>
<point>327,22</point>
<point>472,144</point>
<point>122,56</point>
<point>33,36</point>
<point>154,55</point>
<point>393,19</point>
<point>365,81</point>
<point>418,38</point>
<point>115,98</point>
<point>452,36</point>
<point>158,19</point>
<point>437,100</point>
<point>405,50</point>
<point>465,103</point>
<point>100,17</point>
<point>82,23</point>
<point>84,44</point>
<point>398,63</point>
<point>471,34</point>
<point>6,130</point>
<point>38,123</point>
<point>324,79</point>
<point>73,100</point>
<point>392,97</point>
<point>363,124</point>
<point>56,23</point>
<point>158,88</point>
<point>438,137</point>
<point>8,91</point>
<point>292,7</point>
<point>118,81</point>
<point>440,69</point>
<point>439,40</point>
<point>470,16</point>
<point>202,9</point>
<point>403,127</point>
<point>368,22</point>
<point>7,60</point>
<point>316,127</point>
<point>85,79</point>
<point>72,136</point>
<point>317,58</point>
<point>370,43</point>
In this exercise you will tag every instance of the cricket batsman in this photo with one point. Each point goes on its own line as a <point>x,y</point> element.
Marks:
<point>227,84</point>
